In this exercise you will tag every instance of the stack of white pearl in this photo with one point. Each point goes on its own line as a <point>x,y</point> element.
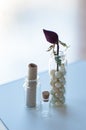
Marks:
<point>58,85</point>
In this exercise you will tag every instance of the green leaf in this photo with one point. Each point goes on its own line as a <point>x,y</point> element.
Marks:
<point>58,60</point>
<point>63,44</point>
<point>50,48</point>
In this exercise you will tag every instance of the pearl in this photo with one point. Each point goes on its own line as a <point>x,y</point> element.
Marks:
<point>58,103</point>
<point>62,80</point>
<point>52,92</point>
<point>59,95</point>
<point>58,85</point>
<point>62,89</point>
<point>58,74</point>
<point>52,72</point>
<point>56,89</point>
<point>56,94</point>
<point>52,83</point>
<point>53,100</point>
<point>62,99</point>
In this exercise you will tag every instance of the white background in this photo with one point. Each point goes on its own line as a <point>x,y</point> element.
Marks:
<point>21,37</point>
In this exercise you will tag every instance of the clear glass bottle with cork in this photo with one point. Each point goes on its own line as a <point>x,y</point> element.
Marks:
<point>45,103</point>
<point>32,87</point>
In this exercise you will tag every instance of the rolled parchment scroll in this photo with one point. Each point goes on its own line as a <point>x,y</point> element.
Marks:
<point>31,85</point>
<point>32,71</point>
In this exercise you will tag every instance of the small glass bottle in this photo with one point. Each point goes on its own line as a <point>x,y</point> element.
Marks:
<point>57,72</point>
<point>45,104</point>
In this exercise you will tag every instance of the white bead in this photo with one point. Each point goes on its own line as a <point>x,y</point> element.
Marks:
<point>58,85</point>
<point>52,72</point>
<point>58,74</point>
<point>59,95</point>
<point>62,99</point>
<point>54,79</point>
<point>62,90</point>
<point>62,80</point>
<point>52,83</point>
<point>53,100</point>
<point>58,103</point>
<point>56,94</point>
<point>52,92</point>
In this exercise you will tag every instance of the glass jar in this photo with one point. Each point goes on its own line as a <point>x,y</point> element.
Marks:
<point>32,93</point>
<point>57,72</point>
<point>45,103</point>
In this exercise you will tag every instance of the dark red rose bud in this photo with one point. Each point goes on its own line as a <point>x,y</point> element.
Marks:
<point>51,36</point>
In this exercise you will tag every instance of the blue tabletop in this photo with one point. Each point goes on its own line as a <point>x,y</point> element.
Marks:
<point>71,117</point>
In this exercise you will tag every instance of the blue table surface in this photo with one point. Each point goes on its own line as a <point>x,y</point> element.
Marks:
<point>71,117</point>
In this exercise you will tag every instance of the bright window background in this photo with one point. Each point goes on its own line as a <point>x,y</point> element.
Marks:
<point>22,40</point>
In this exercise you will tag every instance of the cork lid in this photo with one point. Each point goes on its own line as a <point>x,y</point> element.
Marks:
<point>32,65</point>
<point>45,95</point>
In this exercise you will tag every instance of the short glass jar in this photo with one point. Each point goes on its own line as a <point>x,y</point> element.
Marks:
<point>57,72</point>
<point>32,93</point>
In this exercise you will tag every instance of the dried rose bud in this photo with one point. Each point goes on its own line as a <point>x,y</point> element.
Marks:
<point>51,36</point>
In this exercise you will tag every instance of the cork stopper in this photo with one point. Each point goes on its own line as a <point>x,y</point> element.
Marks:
<point>45,95</point>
